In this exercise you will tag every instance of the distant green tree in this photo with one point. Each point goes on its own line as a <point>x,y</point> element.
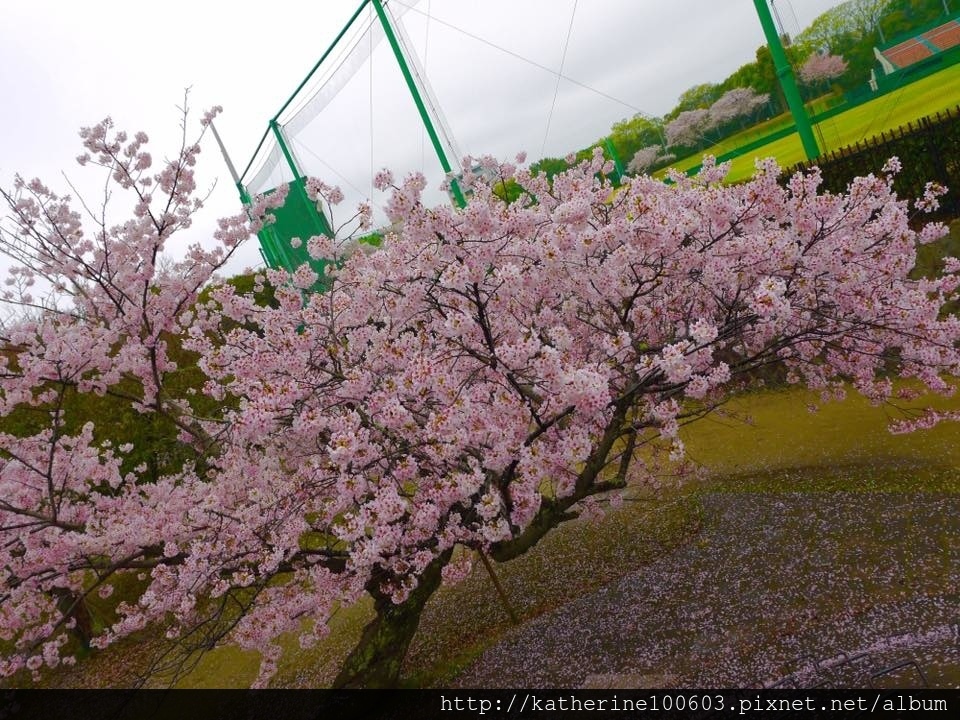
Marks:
<point>761,77</point>
<point>866,16</point>
<point>508,191</point>
<point>859,18</point>
<point>549,166</point>
<point>632,134</point>
<point>904,15</point>
<point>767,78</point>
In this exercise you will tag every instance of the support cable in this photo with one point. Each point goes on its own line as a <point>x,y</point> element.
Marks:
<point>556,89</point>
<point>518,56</point>
<point>329,167</point>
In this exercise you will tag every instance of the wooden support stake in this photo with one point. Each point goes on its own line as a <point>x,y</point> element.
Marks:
<point>500,591</point>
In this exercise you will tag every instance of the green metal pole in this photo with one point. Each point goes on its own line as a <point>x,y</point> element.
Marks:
<point>266,252</point>
<point>323,57</point>
<point>288,156</point>
<point>617,165</point>
<point>283,249</point>
<point>787,82</point>
<point>322,225</point>
<point>424,115</point>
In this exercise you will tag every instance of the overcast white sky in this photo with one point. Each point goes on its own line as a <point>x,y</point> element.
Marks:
<point>66,64</point>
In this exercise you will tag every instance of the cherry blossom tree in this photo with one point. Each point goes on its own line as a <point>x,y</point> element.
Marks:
<point>689,128</point>
<point>692,127</point>
<point>822,67</point>
<point>101,314</point>
<point>483,377</point>
<point>649,157</point>
<point>737,103</point>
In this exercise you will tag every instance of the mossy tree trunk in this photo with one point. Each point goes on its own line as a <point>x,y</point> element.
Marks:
<point>376,660</point>
<point>75,608</point>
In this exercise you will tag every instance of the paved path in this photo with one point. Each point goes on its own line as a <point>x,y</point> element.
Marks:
<point>776,587</point>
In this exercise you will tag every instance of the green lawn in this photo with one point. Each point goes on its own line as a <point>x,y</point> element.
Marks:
<point>927,96</point>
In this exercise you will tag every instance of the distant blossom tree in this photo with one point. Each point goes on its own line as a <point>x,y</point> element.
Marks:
<point>822,67</point>
<point>737,103</point>
<point>689,128</point>
<point>648,158</point>
<point>483,377</point>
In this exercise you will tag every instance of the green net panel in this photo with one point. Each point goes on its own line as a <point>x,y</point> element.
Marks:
<point>298,218</point>
<point>417,85</point>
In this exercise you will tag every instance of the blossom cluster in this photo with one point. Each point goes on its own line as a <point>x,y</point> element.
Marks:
<point>473,380</point>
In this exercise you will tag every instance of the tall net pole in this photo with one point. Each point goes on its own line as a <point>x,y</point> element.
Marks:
<point>787,81</point>
<point>418,101</point>
<point>297,185</point>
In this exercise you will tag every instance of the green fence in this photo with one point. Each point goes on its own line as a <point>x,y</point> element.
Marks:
<point>916,71</point>
<point>886,85</point>
<point>929,150</point>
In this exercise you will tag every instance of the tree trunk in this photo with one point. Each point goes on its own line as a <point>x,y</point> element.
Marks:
<point>75,608</point>
<point>376,660</point>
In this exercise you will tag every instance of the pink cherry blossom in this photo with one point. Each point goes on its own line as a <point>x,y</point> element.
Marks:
<point>462,389</point>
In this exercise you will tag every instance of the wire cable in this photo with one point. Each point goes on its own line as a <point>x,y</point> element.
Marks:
<point>518,56</point>
<point>556,89</point>
<point>330,167</point>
